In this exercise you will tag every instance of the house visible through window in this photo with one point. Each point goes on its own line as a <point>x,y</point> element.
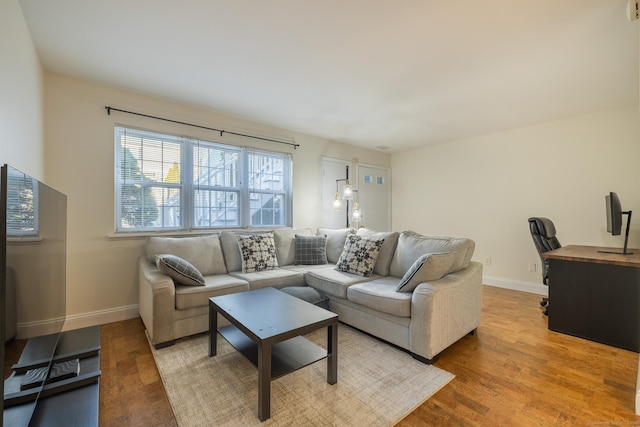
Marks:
<point>165,182</point>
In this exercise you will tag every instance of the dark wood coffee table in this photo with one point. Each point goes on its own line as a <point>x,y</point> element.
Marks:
<point>267,327</point>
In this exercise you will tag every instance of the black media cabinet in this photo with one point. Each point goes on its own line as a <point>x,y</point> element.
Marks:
<point>71,400</point>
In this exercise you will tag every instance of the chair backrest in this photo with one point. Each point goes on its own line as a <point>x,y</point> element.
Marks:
<point>544,237</point>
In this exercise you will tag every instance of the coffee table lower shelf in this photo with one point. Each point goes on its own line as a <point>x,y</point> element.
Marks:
<point>286,356</point>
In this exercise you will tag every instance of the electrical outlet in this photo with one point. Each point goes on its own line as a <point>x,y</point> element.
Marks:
<point>487,261</point>
<point>532,267</point>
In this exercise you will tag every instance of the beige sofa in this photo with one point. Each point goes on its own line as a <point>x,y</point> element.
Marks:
<point>424,320</point>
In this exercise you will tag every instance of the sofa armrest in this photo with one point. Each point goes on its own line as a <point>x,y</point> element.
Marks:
<point>157,302</point>
<point>445,310</point>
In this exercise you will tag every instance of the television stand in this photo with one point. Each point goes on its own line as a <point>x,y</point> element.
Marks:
<point>70,397</point>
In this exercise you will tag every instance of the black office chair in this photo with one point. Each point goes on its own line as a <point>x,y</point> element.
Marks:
<point>544,237</point>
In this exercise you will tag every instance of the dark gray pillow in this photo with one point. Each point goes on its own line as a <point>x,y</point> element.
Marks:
<point>311,250</point>
<point>425,269</point>
<point>179,270</point>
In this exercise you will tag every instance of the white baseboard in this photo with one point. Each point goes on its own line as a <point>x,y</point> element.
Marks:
<point>76,321</point>
<point>101,317</point>
<point>516,285</point>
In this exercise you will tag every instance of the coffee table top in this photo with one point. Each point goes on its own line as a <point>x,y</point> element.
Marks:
<point>269,314</point>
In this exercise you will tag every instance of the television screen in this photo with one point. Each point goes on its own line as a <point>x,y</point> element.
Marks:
<point>33,256</point>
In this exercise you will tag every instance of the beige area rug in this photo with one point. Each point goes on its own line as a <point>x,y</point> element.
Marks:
<point>377,385</point>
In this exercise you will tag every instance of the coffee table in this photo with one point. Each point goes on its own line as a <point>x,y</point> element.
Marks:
<point>267,327</point>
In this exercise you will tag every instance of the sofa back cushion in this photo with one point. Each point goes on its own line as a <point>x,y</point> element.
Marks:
<point>203,252</point>
<point>412,246</point>
<point>336,238</point>
<point>286,244</point>
<point>386,251</point>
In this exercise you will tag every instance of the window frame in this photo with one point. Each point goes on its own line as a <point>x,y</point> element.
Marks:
<point>188,187</point>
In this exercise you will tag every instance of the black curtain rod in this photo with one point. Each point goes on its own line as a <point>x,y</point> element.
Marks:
<point>109,109</point>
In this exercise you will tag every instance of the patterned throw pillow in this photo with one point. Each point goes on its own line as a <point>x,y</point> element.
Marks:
<point>311,250</point>
<point>179,270</point>
<point>359,255</point>
<point>258,252</point>
<point>425,269</point>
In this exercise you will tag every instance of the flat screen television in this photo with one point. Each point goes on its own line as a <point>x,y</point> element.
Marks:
<point>614,221</point>
<point>33,233</point>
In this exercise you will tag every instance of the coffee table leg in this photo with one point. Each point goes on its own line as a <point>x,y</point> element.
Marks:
<point>213,330</point>
<point>264,381</point>
<point>332,353</point>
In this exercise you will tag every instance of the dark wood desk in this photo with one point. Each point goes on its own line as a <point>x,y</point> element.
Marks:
<point>595,295</point>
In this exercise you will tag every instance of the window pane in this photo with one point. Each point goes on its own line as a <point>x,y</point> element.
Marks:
<point>150,180</point>
<point>215,166</point>
<point>215,209</point>
<point>266,209</point>
<point>266,172</point>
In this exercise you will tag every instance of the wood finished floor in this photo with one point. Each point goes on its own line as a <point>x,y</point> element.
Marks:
<point>513,372</point>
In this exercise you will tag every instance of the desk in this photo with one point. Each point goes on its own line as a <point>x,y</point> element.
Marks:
<point>595,295</point>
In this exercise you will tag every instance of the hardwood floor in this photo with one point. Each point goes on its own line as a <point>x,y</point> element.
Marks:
<point>513,372</point>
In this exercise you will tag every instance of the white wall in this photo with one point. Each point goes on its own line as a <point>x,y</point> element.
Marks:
<point>101,271</point>
<point>486,187</point>
<point>21,94</point>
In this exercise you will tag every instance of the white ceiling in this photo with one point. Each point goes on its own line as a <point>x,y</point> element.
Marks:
<point>392,73</point>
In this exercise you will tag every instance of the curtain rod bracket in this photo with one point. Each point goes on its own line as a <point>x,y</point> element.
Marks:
<point>293,144</point>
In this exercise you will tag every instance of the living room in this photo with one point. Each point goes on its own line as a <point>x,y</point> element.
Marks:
<point>482,186</point>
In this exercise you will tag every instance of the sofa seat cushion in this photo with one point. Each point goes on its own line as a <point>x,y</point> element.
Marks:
<point>276,278</point>
<point>381,295</point>
<point>216,285</point>
<point>306,268</point>
<point>333,282</point>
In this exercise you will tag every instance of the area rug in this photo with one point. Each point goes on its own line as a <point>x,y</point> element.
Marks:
<point>378,385</point>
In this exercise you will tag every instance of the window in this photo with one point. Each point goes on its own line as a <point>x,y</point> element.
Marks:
<point>164,182</point>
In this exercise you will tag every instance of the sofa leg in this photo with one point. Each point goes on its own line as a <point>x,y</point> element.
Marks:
<point>164,344</point>
<point>424,359</point>
<point>473,332</point>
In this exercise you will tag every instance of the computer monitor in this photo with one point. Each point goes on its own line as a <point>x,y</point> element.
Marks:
<point>614,221</point>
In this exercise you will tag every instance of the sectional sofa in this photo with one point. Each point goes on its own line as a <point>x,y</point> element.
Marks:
<point>418,292</point>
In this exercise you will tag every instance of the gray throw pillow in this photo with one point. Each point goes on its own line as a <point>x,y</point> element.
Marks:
<point>179,270</point>
<point>425,269</point>
<point>359,255</point>
<point>258,252</point>
<point>311,250</point>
